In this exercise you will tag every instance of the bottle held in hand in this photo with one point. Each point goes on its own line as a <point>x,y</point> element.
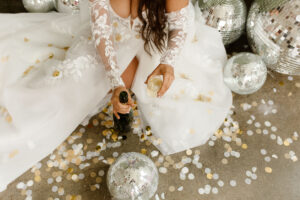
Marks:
<point>123,125</point>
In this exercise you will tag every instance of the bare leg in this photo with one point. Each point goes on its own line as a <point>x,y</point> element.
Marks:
<point>129,73</point>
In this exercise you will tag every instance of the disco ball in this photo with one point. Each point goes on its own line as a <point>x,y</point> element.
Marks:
<point>273,30</point>
<point>38,5</point>
<point>245,73</point>
<point>228,16</point>
<point>67,6</point>
<point>132,177</point>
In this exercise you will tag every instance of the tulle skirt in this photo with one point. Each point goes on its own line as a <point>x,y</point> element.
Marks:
<point>51,80</point>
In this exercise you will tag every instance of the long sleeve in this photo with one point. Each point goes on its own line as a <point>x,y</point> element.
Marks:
<point>177,33</point>
<point>103,37</point>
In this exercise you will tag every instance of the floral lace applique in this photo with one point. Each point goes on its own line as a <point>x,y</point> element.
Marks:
<point>178,22</point>
<point>102,32</point>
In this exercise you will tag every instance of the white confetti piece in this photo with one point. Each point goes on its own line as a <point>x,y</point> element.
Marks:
<point>50,181</point>
<point>180,188</point>
<point>207,170</point>
<point>154,153</point>
<point>191,176</point>
<point>248,181</point>
<point>267,159</point>
<point>185,170</point>
<point>54,188</point>
<point>250,132</point>
<point>163,170</point>
<point>263,152</point>
<point>232,183</point>
<point>101,173</point>
<point>21,186</point>
<point>29,183</point>
<point>254,176</point>
<point>201,191</point>
<point>220,183</point>
<point>215,190</point>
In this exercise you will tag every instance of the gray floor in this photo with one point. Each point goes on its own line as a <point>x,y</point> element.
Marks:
<point>282,183</point>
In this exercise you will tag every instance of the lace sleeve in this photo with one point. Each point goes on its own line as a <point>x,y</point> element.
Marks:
<point>177,27</point>
<point>103,37</point>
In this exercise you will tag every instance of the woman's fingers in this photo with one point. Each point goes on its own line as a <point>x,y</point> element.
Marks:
<point>167,81</point>
<point>155,72</point>
<point>116,114</point>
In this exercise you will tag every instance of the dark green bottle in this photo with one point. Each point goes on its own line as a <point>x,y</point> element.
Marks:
<point>123,125</point>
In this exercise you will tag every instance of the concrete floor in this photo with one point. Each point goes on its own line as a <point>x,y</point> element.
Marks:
<point>280,95</point>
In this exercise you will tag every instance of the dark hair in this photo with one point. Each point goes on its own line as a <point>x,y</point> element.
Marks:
<point>153,29</point>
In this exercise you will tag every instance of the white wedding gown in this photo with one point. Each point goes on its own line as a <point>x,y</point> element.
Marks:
<point>52,78</point>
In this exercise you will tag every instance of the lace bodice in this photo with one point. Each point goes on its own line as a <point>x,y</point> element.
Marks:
<point>105,22</point>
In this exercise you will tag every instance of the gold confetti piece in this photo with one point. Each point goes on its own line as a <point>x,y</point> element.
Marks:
<point>144,151</point>
<point>93,188</point>
<point>70,170</point>
<point>98,148</point>
<point>37,61</point>
<point>115,24</point>
<point>209,176</point>
<point>26,39</point>
<point>101,116</point>
<point>268,170</point>
<point>95,160</point>
<point>50,45</point>
<point>93,174</point>
<point>166,164</point>
<point>203,98</point>
<point>148,143</point>
<point>37,179</point>
<point>89,141</point>
<point>66,48</point>
<point>157,164</point>
<point>244,146</point>
<point>189,152</point>
<point>192,131</point>
<point>118,37</point>
<point>171,188</point>
<point>114,137</point>
<point>224,161</point>
<point>254,103</point>
<point>8,119</point>
<point>51,56</point>
<point>78,161</point>
<point>110,161</point>
<point>95,122</point>
<point>98,180</point>
<point>13,153</point>
<point>281,83</point>
<point>4,59</point>
<point>37,172</point>
<point>286,143</point>
<point>56,73</point>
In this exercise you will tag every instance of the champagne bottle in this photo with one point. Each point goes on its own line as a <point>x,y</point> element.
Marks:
<point>123,125</point>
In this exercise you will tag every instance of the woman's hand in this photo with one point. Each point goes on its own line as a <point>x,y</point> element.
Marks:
<point>120,107</point>
<point>167,72</point>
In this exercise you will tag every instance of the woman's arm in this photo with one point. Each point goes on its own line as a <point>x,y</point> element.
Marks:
<point>102,35</point>
<point>177,17</point>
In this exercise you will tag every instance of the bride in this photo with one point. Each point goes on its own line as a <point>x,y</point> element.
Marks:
<point>56,70</point>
